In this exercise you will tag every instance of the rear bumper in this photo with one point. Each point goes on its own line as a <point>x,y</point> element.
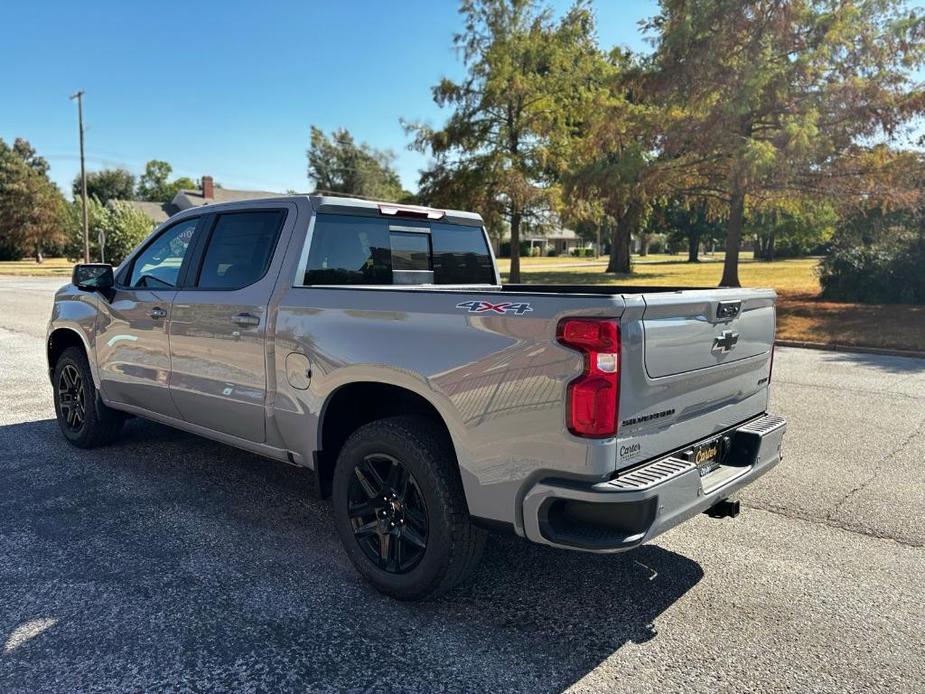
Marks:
<point>637,505</point>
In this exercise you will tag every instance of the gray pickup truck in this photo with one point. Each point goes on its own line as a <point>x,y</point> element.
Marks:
<point>375,344</point>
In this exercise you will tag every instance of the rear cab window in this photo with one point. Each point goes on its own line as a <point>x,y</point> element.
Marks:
<point>354,249</point>
<point>240,248</point>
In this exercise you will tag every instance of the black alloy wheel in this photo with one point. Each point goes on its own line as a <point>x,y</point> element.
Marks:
<point>387,513</point>
<point>72,397</point>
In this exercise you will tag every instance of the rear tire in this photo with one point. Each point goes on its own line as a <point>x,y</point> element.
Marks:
<point>83,418</point>
<point>396,485</point>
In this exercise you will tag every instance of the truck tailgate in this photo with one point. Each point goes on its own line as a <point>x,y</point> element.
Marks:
<point>694,364</point>
<point>685,331</point>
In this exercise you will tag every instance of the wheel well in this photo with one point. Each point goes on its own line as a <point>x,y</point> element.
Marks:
<point>60,340</point>
<point>350,407</point>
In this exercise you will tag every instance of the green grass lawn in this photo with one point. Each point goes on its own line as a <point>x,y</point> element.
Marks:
<point>786,276</point>
<point>52,267</point>
<point>801,314</point>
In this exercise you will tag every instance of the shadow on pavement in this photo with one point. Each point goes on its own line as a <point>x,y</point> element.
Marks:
<point>168,561</point>
<point>888,364</point>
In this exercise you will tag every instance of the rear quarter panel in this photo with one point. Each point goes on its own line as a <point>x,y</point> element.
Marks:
<point>498,381</point>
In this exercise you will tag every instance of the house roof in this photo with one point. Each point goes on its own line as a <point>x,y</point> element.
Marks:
<point>157,211</point>
<point>186,199</point>
<point>160,212</point>
<point>551,234</point>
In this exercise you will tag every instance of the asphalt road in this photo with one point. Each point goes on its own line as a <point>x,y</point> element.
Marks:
<point>170,562</point>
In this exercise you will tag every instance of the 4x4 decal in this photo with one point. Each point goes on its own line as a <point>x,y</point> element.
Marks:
<point>488,307</point>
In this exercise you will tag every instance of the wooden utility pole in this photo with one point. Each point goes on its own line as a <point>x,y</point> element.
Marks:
<point>83,173</point>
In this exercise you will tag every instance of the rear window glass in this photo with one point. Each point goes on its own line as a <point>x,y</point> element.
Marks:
<point>240,249</point>
<point>349,249</point>
<point>410,251</point>
<point>461,255</point>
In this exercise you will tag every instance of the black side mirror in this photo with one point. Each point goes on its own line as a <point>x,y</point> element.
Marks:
<point>93,277</point>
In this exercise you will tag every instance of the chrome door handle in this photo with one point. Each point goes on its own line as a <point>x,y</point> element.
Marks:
<point>157,312</point>
<point>246,320</point>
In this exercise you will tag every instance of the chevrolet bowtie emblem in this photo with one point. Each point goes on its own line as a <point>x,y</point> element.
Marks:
<point>726,341</point>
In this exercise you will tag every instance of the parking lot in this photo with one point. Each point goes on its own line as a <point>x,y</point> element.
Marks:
<point>170,562</point>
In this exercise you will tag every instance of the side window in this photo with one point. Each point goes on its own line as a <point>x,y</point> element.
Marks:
<point>461,255</point>
<point>240,249</point>
<point>158,265</point>
<point>349,250</point>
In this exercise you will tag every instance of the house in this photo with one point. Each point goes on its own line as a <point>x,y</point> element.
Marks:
<point>185,199</point>
<point>554,240</point>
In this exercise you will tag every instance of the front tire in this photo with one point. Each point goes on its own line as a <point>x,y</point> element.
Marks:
<point>83,418</point>
<point>400,510</point>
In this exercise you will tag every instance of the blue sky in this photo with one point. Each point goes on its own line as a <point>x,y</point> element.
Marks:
<point>230,89</point>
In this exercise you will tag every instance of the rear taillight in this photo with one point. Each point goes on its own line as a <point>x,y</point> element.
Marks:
<point>594,396</point>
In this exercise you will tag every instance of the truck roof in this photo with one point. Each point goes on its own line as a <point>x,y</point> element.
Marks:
<point>373,208</point>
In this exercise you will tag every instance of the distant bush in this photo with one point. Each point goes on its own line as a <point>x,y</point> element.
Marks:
<point>506,249</point>
<point>891,270</point>
<point>123,227</point>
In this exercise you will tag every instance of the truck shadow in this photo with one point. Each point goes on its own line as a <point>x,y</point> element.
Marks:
<point>166,560</point>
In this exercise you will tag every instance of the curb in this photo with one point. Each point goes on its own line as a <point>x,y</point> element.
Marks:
<point>834,347</point>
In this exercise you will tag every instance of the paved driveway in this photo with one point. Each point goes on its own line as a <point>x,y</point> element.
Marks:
<point>167,561</point>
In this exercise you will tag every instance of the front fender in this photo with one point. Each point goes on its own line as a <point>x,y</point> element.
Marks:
<point>77,312</point>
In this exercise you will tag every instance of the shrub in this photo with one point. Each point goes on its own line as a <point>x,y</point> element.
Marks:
<point>884,272</point>
<point>123,226</point>
<point>506,249</point>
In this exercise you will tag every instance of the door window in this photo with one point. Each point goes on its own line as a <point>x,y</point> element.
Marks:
<point>158,265</point>
<point>240,249</point>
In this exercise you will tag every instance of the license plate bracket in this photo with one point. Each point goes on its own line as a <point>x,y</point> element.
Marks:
<point>709,455</point>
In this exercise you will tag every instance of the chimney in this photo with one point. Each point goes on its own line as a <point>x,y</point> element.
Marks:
<point>208,187</point>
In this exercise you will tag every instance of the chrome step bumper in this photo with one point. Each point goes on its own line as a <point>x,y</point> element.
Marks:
<point>639,504</point>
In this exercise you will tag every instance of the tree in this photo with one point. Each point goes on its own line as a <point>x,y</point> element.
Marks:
<point>613,168</point>
<point>690,221</point>
<point>182,183</point>
<point>765,98</point>
<point>510,112</point>
<point>154,184</point>
<point>106,185</point>
<point>794,226</point>
<point>337,164</point>
<point>31,206</point>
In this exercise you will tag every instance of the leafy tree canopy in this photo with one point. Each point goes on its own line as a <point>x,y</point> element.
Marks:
<point>31,206</point>
<point>511,114</point>
<point>155,185</point>
<point>763,97</point>
<point>106,185</point>
<point>338,164</point>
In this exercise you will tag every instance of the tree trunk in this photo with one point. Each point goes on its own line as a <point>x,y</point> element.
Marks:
<point>733,239</point>
<point>644,241</point>
<point>514,275</point>
<point>39,258</point>
<point>620,248</point>
<point>769,249</point>
<point>693,248</point>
